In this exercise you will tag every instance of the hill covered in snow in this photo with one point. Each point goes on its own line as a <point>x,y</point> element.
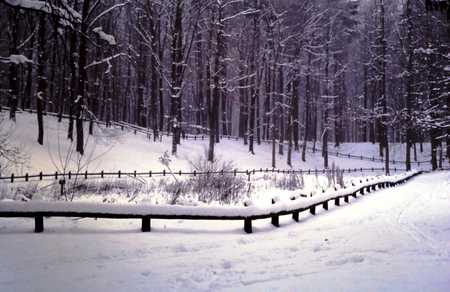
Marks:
<point>113,149</point>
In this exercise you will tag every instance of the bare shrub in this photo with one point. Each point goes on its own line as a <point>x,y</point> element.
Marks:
<point>127,187</point>
<point>11,155</point>
<point>290,182</point>
<point>335,176</point>
<point>216,184</point>
<point>176,189</point>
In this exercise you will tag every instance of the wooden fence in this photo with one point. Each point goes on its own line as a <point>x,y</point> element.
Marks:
<point>29,210</point>
<point>149,133</point>
<point>134,174</point>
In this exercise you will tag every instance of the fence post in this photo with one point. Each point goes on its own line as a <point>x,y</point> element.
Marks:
<point>276,220</point>
<point>346,199</point>
<point>312,210</point>
<point>26,176</point>
<point>12,177</point>
<point>40,175</point>
<point>295,216</point>
<point>146,224</point>
<point>337,202</point>
<point>248,225</point>
<point>275,217</point>
<point>119,173</point>
<point>38,224</point>
<point>325,205</point>
<point>62,182</point>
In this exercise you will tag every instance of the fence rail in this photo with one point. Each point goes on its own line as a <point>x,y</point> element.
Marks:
<point>122,174</point>
<point>149,133</point>
<point>40,210</point>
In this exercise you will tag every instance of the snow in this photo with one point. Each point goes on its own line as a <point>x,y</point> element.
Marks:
<point>104,36</point>
<point>392,240</point>
<point>223,211</point>
<point>16,59</point>
<point>65,12</point>
<point>109,150</point>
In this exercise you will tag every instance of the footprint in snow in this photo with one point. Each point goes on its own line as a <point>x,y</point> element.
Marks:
<point>243,241</point>
<point>352,260</point>
<point>181,248</point>
<point>145,274</point>
<point>226,265</point>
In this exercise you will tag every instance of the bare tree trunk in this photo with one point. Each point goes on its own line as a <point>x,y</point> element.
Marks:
<point>42,81</point>
<point>325,110</point>
<point>13,68</point>
<point>200,86</point>
<point>289,138</point>
<point>366,124</point>
<point>307,105</point>
<point>154,73</point>
<point>161,81</point>
<point>177,69</point>
<point>82,75</point>
<point>281,111</point>
<point>295,114</point>
<point>383,124</point>
<point>73,78</point>
<point>253,81</point>
<point>409,80</point>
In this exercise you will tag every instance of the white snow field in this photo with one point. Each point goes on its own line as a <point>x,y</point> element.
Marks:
<point>113,150</point>
<point>395,239</point>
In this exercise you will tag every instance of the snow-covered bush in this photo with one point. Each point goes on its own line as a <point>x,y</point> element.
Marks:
<point>11,155</point>
<point>215,185</point>
<point>335,176</point>
<point>20,191</point>
<point>126,187</point>
<point>176,189</point>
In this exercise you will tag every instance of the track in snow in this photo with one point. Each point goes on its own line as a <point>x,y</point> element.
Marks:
<point>395,239</point>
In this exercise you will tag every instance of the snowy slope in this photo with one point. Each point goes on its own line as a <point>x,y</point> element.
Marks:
<point>392,240</point>
<point>113,150</point>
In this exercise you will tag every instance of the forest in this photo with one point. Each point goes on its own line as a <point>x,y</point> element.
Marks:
<point>285,71</point>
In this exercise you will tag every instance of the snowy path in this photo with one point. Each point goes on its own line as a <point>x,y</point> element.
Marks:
<point>396,239</point>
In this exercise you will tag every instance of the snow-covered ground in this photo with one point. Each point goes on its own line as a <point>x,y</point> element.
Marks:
<point>113,150</point>
<point>391,240</point>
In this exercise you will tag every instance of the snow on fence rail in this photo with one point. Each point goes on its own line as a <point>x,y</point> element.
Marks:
<point>120,174</point>
<point>247,213</point>
<point>149,132</point>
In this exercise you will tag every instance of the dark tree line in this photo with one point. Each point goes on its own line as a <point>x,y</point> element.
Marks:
<point>287,71</point>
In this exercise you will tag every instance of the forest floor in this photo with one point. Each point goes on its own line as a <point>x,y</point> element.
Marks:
<point>392,240</point>
<point>112,149</point>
